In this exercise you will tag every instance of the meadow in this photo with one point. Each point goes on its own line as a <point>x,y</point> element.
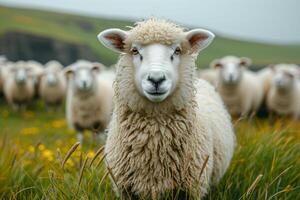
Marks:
<point>35,143</point>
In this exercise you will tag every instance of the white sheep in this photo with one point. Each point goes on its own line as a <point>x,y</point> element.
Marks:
<point>18,84</point>
<point>89,98</point>
<point>52,84</point>
<point>166,122</point>
<point>283,97</point>
<point>240,89</point>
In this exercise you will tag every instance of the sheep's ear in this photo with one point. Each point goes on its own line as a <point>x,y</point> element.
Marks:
<point>113,39</point>
<point>97,67</point>
<point>199,39</point>
<point>272,67</point>
<point>68,72</point>
<point>245,61</point>
<point>216,64</point>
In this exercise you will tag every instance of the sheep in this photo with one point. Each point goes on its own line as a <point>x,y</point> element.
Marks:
<point>266,74</point>
<point>210,75</point>
<point>89,98</point>
<point>52,84</point>
<point>240,89</point>
<point>18,85</point>
<point>166,122</point>
<point>284,93</point>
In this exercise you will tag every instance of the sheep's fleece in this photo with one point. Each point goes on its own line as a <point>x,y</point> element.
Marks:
<point>154,148</point>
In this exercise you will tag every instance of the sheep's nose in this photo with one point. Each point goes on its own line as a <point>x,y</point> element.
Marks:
<point>84,83</point>
<point>156,81</point>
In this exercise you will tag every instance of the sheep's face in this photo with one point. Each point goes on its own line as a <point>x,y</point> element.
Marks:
<point>156,69</point>
<point>157,64</point>
<point>21,74</point>
<point>83,77</point>
<point>283,80</point>
<point>51,78</point>
<point>231,69</point>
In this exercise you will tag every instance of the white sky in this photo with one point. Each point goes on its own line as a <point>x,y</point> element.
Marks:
<point>274,21</point>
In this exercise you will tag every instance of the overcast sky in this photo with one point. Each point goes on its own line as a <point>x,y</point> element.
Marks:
<point>274,21</point>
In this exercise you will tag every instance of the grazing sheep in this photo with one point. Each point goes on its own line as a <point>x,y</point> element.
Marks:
<point>165,122</point>
<point>210,75</point>
<point>52,86</point>
<point>240,89</point>
<point>18,84</point>
<point>283,97</point>
<point>89,98</point>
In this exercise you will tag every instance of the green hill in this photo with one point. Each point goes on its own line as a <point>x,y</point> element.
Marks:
<point>83,30</point>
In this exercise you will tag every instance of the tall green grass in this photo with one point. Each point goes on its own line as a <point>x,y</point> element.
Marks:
<point>35,143</point>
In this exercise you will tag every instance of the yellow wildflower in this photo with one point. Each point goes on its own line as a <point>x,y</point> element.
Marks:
<point>42,147</point>
<point>47,154</point>
<point>31,149</point>
<point>90,154</point>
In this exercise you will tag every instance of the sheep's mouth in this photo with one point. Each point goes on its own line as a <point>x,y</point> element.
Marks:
<point>157,93</point>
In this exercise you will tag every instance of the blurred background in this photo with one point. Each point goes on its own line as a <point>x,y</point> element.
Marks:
<point>65,30</point>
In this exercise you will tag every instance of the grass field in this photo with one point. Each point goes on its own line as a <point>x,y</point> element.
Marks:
<point>34,143</point>
<point>83,30</point>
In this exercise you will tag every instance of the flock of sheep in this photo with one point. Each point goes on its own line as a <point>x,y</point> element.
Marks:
<point>167,130</point>
<point>244,91</point>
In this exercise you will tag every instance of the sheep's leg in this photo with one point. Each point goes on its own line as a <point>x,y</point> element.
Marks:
<point>272,117</point>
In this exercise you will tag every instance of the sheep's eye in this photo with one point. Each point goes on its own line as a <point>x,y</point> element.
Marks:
<point>134,51</point>
<point>177,51</point>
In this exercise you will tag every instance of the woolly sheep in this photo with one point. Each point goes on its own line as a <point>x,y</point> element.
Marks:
<point>266,74</point>
<point>52,86</point>
<point>18,84</point>
<point>165,122</point>
<point>240,89</point>
<point>89,98</point>
<point>283,97</point>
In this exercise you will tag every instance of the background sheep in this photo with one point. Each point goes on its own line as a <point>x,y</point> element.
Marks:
<point>52,86</point>
<point>283,97</point>
<point>240,89</point>
<point>18,84</point>
<point>162,131</point>
<point>89,97</point>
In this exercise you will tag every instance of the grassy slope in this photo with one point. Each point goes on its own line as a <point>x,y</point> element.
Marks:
<point>65,27</point>
<point>34,142</point>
